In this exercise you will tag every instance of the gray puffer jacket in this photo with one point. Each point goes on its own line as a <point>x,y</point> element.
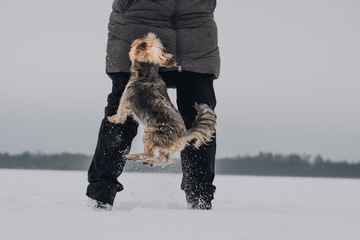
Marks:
<point>186,28</point>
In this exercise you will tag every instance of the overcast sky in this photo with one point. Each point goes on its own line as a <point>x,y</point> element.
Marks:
<point>290,76</point>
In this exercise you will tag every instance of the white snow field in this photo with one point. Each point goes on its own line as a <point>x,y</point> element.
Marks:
<point>51,205</point>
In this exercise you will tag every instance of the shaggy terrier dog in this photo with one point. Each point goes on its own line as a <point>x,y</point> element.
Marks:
<point>145,98</point>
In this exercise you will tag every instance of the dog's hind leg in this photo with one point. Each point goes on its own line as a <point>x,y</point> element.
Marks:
<point>149,148</point>
<point>148,154</point>
<point>164,158</point>
<point>147,157</point>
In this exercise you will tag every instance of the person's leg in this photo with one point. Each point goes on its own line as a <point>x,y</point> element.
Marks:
<point>114,142</point>
<point>198,165</point>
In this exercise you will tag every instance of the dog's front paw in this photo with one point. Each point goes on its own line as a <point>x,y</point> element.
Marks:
<point>115,119</point>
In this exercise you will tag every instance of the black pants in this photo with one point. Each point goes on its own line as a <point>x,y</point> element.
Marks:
<point>114,140</point>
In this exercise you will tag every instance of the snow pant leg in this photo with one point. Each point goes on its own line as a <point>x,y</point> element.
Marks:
<point>198,165</point>
<point>114,142</point>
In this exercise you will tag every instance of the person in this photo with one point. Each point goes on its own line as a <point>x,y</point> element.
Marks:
<point>188,30</point>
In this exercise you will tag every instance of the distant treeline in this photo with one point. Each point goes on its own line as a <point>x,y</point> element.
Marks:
<point>268,164</point>
<point>264,164</point>
<point>62,161</point>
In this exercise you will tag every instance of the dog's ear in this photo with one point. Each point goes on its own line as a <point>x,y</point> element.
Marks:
<point>142,46</point>
<point>167,60</point>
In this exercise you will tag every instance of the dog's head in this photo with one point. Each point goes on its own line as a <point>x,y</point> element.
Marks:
<point>150,49</point>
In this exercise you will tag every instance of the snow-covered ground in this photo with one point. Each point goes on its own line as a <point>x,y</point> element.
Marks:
<point>51,205</point>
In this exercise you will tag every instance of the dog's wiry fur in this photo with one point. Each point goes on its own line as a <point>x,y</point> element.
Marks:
<point>146,99</point>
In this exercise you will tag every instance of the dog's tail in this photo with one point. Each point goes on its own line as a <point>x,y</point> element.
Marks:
<point>203,128</point>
